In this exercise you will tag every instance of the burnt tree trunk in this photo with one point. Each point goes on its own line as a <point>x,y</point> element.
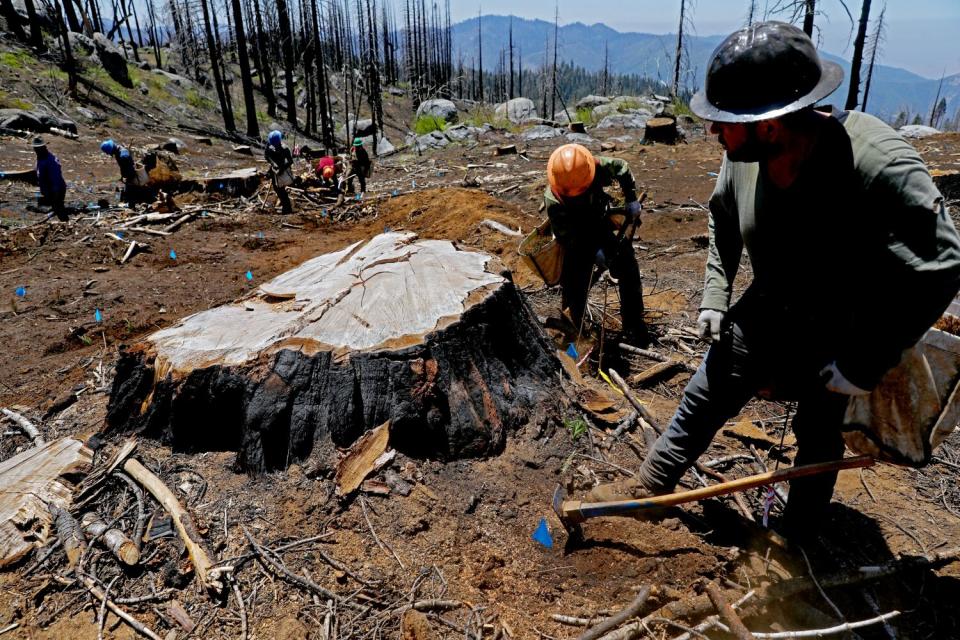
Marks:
<point>418,333</point>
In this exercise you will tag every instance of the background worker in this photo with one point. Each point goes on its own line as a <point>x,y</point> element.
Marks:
<point>133,189</point>
<point>280,159</point>
<point>838,214</point>
<point>53,188</point>
<point>360,165</point>
<point>577,204</point>
<point>328,169</point>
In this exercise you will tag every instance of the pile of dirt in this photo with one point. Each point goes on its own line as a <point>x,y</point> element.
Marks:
<point>458,214</point>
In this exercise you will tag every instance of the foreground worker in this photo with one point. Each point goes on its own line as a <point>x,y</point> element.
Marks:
<point>854,257</point>
<point>577,206</point>
<point>134,187</point>
<point>53,188</point>
<point>360,165</point>
<point>280,159</point>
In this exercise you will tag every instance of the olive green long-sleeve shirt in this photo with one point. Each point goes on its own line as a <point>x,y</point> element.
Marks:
<point>579,222</point>
<point>860,246</point>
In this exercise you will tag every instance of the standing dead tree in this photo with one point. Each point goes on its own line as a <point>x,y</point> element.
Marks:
<point>875,43</point>
<point>858,44</point>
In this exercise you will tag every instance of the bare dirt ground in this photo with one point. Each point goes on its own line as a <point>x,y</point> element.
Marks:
<point>463,534</point>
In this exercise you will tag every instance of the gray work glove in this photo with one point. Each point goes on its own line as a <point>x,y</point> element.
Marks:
<point>600,259</point>
<point>708,324</point>
<point>838,383</point>
<point>633,210</point>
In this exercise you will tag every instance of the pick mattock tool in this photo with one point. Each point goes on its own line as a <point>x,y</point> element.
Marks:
<point>573,512</point>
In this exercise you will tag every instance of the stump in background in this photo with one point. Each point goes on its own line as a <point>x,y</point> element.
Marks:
<point>415,332</point>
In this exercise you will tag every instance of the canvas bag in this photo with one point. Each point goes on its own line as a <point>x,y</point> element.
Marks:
<point>915,406</point>
<point>542,253</point>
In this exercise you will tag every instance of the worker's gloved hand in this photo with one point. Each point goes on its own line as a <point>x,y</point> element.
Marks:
<point>633,210</point>
<point>708,324</point>
<point>838,383</point>
<point>600,259</point>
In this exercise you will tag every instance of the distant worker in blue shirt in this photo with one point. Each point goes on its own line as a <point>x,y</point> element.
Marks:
<point>53,189</point>
<point>133,189</point>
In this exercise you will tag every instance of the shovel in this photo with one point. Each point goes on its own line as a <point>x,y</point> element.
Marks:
<point>572,512</point>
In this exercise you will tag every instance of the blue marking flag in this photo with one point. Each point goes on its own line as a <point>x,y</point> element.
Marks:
<point>120,234</point>
<point>260,234</point>
<point>572,351</point>
<point>356,197</point>
<point>173,254</point>
<point>413,184</point>
<point>97,316</point>
<point>324,214</point>
<point>386,229</point>
<point>542,534</point>
<point>249,275</point>
<point>21,291</point>
<point>395,192</point>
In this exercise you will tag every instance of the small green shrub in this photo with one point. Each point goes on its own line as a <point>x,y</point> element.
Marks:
<point>585,115</point>
<point>429,124</point>
<point>626,105</point>
<point>576,426</point>
<point>681,107</point>
<point>15,59</point>
<point>196,99</point>
<point>11,102</point>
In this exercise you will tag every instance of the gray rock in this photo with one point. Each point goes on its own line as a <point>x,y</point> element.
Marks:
<point>591,101</point>
<point>517,111</point>
<point>174,145</point>
<point>561,117</point>
<point>461,132</point>
<point>112,60</point>
<point>89,115</point>
<point>35,121</point>
<point>81,45</point>
<point>579,138</point>
<point>438,109</point>
<point>396,91</point>
<point>432,140</point>
<point>364,128</point>
<point>144,65</point>
<point>384,146</point>
<point>541,132</point>
<point>178,80</point>
<point>602,111</point>
<point>624,120</point>
<point>917,131</point>
<point>621,139</point>
<point>143,89</point>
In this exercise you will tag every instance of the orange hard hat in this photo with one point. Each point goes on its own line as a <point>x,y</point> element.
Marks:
<point>328,172</point>
<point>570,170</point>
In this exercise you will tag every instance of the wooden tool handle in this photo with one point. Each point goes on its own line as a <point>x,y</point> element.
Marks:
<point>577,511</point>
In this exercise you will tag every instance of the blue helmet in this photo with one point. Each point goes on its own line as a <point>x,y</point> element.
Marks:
<point>274,137</point>
<point>108,147</point>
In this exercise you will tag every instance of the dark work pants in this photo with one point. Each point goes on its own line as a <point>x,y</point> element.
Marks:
<point>361,175</point>
<point>578,267</point>
<point>55,200</point>
<point>764,347</point>
<point>283,196</point>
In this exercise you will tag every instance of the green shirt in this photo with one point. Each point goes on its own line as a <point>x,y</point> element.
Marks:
<point>860,247</point>
<point>579,222</point>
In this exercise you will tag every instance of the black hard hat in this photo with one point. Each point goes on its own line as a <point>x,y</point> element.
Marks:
<point>764,71</point>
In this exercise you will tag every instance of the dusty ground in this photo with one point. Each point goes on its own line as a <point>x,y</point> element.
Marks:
<point>464,532</point>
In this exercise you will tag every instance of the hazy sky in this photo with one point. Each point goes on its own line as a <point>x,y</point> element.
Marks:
<point>922,35</point>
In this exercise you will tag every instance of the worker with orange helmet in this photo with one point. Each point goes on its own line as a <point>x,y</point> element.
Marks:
<point>327,170</point>
<point>577,205</point>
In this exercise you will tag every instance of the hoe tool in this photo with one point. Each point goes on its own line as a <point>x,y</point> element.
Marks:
<point>572,512</point>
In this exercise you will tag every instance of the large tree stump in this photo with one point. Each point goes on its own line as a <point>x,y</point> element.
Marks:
<point>415,332</point>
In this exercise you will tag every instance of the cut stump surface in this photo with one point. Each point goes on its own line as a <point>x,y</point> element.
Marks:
<point>419,333</point>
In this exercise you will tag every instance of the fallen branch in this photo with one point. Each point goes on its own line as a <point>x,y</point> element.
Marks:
<point>26,426</point>
<point>617,619</point>
<point>819,633</point>
<point>737,628</point>
<point>91,586</point>
<point>116,540</point>
<point>496,226</point>
<point>70,534</point>
<point>183,522</point>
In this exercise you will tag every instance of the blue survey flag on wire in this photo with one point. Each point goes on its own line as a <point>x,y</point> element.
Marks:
<point>21,291</point>
<point>97,316</point>
<point>572,351</point>
<point>173,254</point>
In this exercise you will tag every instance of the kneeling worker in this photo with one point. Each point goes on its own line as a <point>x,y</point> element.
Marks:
<point>577,206</point>
<point>134,183</point>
